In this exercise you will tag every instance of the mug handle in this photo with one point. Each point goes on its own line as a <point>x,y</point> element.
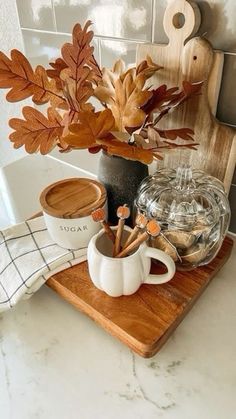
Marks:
<point>166,260</point>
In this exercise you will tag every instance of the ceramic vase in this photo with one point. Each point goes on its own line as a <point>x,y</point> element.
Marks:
<point>121,178</point>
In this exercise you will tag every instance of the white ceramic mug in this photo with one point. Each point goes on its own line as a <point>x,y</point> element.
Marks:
<point>123,276</point>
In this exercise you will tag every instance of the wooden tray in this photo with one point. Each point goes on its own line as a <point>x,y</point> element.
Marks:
<point>146,319</point>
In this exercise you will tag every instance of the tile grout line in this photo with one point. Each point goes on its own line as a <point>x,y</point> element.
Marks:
<point>228,124</point>
<point>228,52</point>
<point>54,15</point>
<point>99,53</point>
<point>102,37</point>
<point>153,20</point>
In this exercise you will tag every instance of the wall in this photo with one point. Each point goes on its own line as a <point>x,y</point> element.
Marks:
<point>118,26</point>
<point>10,35</point>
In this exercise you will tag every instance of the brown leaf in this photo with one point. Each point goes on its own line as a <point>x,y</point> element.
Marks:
<point>57,66</point>
<point>105,91</point>
<point>147,68</point>
<point>36,132</point>
<point>176,98</point>
<point>155,139</point>
<point>82,39</point>
<point>82,69</point>
<point>150,139</point>
<point>90,127</point>
<point>121,136</point>
<point>172,134</point>
<point>77,96</point>
<point>129,99</point>
<point>46,90</point>
<point>159,96</point>
<point>189,90</point>
<point>126,151</point>
<point>17,74</point>
<point>79,54</point>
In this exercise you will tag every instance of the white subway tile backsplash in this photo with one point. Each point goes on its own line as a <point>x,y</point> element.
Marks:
<point>218,22</point>
<point>131,19</point>
<point>160,36</point>
<point>42,47</point>
<point>112,50</point>
<point>36,14</point>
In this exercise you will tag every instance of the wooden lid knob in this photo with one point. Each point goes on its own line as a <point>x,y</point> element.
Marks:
<point>73,198</point>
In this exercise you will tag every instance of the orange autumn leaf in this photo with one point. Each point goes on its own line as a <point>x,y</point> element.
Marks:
<point>36,132</point>
<point>147,67</point>
<point>79,55</point>
<point>129,98</point>
<point>77,96</point>
<point>90,127</point>
<point>105,91</point>
<point>127,151</point>
<point>172,134</point>
<point>17,75</point>
<point>54,72</point>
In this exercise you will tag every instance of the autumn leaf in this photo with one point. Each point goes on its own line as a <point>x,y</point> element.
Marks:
<point>156,139</point>
<point>79,54</point>
<point>172,134</point>
<point>159,96</point>
<point>189,90</point>
<point>17,74</point>
<point>36,132</point>
<point>46,90</point>
<point>81,40</point>
<point>105,91</point>
<point>128,102</point>
<point>77,96</point>
<point>90,127</point>
<point>145,70</point>
<point>127,151</point>
<point>55,72</point>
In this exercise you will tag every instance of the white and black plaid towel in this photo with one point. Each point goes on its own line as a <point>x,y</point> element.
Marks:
<point>28,257</point>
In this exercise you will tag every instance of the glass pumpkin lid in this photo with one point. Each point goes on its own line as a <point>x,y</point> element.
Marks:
<point>182,198</point>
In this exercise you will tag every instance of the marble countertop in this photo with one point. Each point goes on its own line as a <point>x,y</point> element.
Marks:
<point>57,363</point>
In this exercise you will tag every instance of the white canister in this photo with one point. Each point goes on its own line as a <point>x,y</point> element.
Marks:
<point>67,206</point>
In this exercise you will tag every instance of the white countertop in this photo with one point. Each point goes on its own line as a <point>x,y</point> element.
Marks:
<point>56,363</point>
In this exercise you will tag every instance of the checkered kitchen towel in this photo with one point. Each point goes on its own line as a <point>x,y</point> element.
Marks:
<point>28,257</point>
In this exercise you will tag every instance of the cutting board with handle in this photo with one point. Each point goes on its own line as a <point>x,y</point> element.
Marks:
<point>193,60</point>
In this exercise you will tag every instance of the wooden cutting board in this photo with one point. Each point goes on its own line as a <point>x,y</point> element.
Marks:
<point>193,60</point>
<point>145,320</point>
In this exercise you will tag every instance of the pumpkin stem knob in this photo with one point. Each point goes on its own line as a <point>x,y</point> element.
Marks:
<point>184,178</point>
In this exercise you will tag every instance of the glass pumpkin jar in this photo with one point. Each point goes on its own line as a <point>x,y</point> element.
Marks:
<point>192,210</point>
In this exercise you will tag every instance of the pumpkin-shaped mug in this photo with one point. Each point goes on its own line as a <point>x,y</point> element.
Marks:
<point>124,276</point>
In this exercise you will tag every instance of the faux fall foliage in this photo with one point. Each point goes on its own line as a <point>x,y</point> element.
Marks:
<point>126,127</point>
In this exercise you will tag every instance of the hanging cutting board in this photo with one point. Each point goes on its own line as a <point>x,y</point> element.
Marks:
<point>193,60</point>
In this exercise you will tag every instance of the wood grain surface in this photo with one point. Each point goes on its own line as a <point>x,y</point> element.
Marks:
<point>144,320</point>
<point>193,60</point>
<point>73,198</point>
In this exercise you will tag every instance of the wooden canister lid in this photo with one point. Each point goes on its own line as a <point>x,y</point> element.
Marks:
<point>73,198</point>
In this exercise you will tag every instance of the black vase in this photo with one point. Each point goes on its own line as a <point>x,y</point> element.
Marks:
<point>121,179</point>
